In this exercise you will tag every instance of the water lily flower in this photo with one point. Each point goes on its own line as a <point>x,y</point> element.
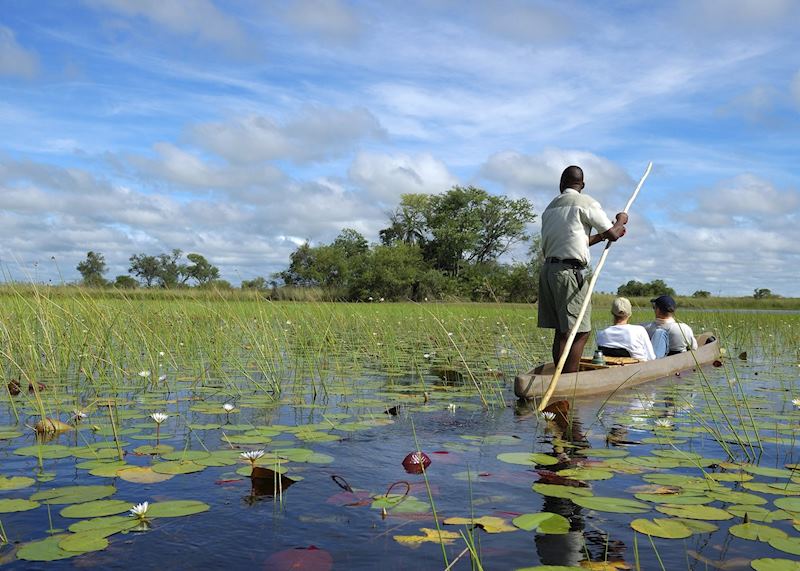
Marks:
<point>228,407</point>
<point>159,417</point>
<point>162,378</point>
<point>547,415</point>
<point>796,402</point>
<point>252,455</point>
<point>144,374</point>
<point>663,423</point>
<point>139,510</point>
<point>78,415</point>
<point>426,355</point>
<point>161,353</point>
<point>451,407</point>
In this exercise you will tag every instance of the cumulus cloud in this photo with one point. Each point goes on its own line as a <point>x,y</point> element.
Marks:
<point>741,14</point>
<point>386,177</point>
<point>14,59</point>
<point>537,176</point>
<point>745,200</point>
<point>194,18</point>
<point>313,135</point>
<point>331,20</point>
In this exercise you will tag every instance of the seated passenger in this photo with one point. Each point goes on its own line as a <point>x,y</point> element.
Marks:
<point>680,336</point>
<point>622,337</point>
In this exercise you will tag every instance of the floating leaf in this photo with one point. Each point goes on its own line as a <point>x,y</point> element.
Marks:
<point>73,494</point>
<point>89,453</point>
<point>83,542</point>
<point>176,508</point>
<point>662,527</point>
<point>177,467</point>
<point>614,505</point>
<point>97,508</point>
<point>109,469</point>
<point>527,458</point>
<point>16,505</point>
<point>109,525</point>
<point>782,489</point>
<point>566,492</point>
<point>15,482</point>
<point>774,564</point>
<point>490,524</point>
<point>430,535</point>
<point>680,498</point>
<point>603,452</point>
<point>143,475</point>
<point>791,505</point>
<point>787,544</point>
<point>695,512</point>
<point>48,451</point>
<point>769,472</point>
<point>698,526</point>
<point>586,474</point>
<point>154,450</point>
<point>758,513</point>
<point>544,522</point>
<point>734,497</point>
<point>756,532</point>
<point>44,550</point>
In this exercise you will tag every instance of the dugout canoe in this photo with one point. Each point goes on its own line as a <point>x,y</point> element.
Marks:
<point>618,374</point>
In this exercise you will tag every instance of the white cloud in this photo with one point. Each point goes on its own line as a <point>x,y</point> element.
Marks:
<point>14,59</point>
<point>745,200</point>
<point>521,21</point>
<point>314,134</point>
<point>386,177</point>
<point>795,89</point>
<point>538,176</point>
<point>330,19</point>
<point>197,18</point>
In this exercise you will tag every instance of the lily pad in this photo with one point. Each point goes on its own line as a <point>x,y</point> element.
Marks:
<point>662,527</point>
<point>143,475</point>
<point>769,472</point>
<point>586,474</point>
<point>490,524</point>
<point>791,505</point>
<point>430,535</point>
<point>97,508</point>
<point>758,513</point>
<point>603,452</point>
<point>734,497</point>
<point>15,482</point>
<point>774,564</point>
<point>44,550</point>
<point>83,542</point>
<point>153,450</point>
<point>48,451</point>
<point>8,506</point>
<point>566,492</point>
<point>613,505</point>
<point>544,522</point>
<point>177,508</point>
<point>177,467</point>
<point>756,532</point>
<point>695,512</point>
<point>527,458</point>
<point>787,544</point>
<point>73,494</point>
<point>109,525</point>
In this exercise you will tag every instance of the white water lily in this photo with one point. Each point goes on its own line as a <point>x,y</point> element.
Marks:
<point>547,415</point>
<point>144,374</point>
<point>139,510</point>
<point>228,407</point>
<point>663,423</point>
<point>161,353</point>
<point>252,455</point>
<point>162,378</point>
<point>452,407</point>
<point>78,415</point>
<point>159,417</point>
<point>796,402</point>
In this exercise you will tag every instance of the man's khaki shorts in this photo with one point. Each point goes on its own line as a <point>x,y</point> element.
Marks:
<point>560,299</point>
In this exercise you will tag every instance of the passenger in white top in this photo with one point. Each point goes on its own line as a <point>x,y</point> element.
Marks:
<point>680,336</point>
<point>622,336</point>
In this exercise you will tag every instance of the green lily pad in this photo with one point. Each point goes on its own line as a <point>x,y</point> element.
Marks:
<point>613,505</point>
<point>756,532</point>
<point>680,498</point>
<point>734,497</point>
<point>527,458</point>
<point>97,508</point>
<point>791,505</point>
<point>48,451</point>
<point>89,453</point>
<point>586,474</point>
<point>774,564</point>
<point>177,467</point>
<point>769,472</point>
<point>9,434</point>
<point>544,522</point>
<point>44,550</point>
<point>662,527</point>
<point>566,492</point>
<point>758,513</point>
<point>698,526</point>
<point>109,470</point>
<point>83,542</point>
<point>787,544</point>
<point>73,494</point>
<point>695,512</point>
<point>781,489</point>
<point>15,482</point>
<point>603,452</point>
<point>653,462</point>
<point>177,508</point>
<point>110,525</point>
<point>8,505</point>
<point>154,450</point>
<point>143,475</point>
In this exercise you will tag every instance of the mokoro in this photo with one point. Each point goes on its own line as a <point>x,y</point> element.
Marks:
<point>534,383</point>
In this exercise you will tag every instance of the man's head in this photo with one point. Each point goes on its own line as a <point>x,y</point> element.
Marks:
<point>621,309</point>
<point>572,177</point>
<point>664,305</point>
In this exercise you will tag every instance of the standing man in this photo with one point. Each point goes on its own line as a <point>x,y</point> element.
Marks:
<point>567,223</point>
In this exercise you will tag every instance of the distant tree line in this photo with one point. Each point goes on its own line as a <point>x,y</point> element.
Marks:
<point>636,288</point>
<point>166,270</point>
<point>438,245</point>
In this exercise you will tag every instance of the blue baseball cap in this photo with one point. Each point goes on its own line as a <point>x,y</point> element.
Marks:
<point>665,303</point>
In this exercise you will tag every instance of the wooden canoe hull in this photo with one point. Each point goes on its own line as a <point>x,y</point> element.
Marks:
<point>534,383</point>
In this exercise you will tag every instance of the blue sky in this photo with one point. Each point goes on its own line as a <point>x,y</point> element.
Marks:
<point>240,129</point>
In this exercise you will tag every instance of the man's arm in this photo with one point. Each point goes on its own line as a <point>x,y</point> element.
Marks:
<point>614,233</point>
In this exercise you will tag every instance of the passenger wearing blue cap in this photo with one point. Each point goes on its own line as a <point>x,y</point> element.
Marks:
<point>668,336</point>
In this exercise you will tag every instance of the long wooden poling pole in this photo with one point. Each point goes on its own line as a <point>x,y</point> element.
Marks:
<point>565,353</point>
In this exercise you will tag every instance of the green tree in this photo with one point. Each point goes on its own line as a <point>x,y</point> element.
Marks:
<point>763,293</point>
<point>259,283</point>
<point>701,293</point>
<point>636,288</point>
<point>92,269</point>
<point>125,282</point>
<point>144,267</point>
<point>200,269</point>
<point>171,272</point>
